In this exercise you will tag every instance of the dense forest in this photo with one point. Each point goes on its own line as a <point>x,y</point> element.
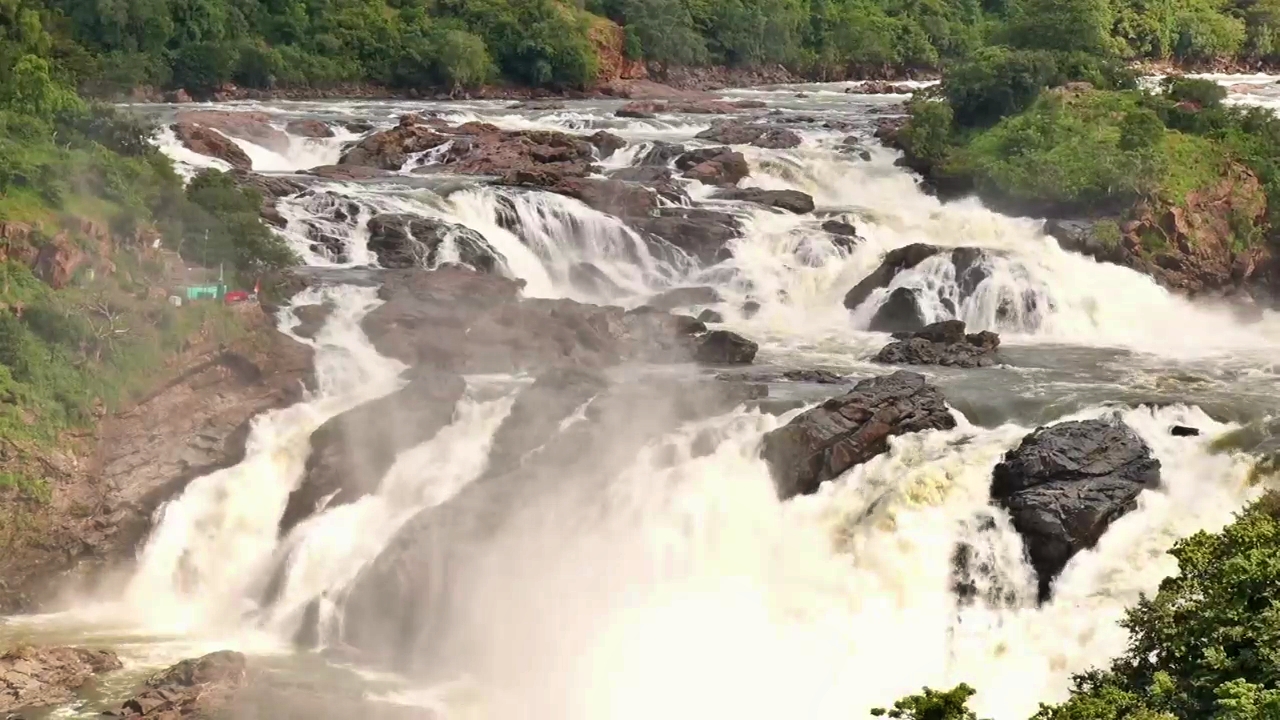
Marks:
<point>111,46</point>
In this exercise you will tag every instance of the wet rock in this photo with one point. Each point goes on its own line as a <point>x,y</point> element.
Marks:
<point>777,139</point>
<point>406,241</point>
<point>606,143</point>
<point>852,145</point>
<point>710,316</point>
<point>895,261</point>
<point>1184,431</point>
<point>590,279</point>
<point>347,173</point>
<point>703,234</point>
<point>790,200</point>
<point>353,450</point>
<point>750,308</point>
<point>713,166</point>
<point>271,188</point>
<point>1066,483</point>
<point>538,411</point>
<point>814,376</point>
<point>880,87</point>
<point>684,297</point>
<point>198,688</point>
<point>359,127</point>
<point>740,133</point>
<point>644,109</point>
<point>900,312</point>
<point>311,319</point>
<point>390,149</point>
<point>942,343</point>
<point>611,196</point>
<point>309,129</point>
<point>840,228</point>
<point>486,150</point>
<point>254,127</point>
<point>205,141</point>
<point>32,678</point>
<point>178,97</point>
<point>661,154</point>
<point>823,443</point>
<point>722,347</point>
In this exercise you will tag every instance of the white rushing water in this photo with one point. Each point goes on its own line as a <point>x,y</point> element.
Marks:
<point>691,591</point>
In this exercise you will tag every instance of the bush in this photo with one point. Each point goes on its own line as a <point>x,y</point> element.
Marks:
<point>997,82</point>
<point>203,66</point>
<point>1204,93</point>
<point>257,66</point>
<point>928,136</point>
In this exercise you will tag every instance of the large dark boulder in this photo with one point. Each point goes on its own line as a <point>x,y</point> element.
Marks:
<point>714,166</point>
<point>942,343</point>
<point>722,347</point>
<point>33,678</point>
<point>407,241</point>
<point>824,442</point>
<point>390,149</point>
<point>702,234</point>
<point>900,312</point>
<point>353,450</point>
<point>606,143</point>
<point>661,154</point>
<point>895,261</point>
<point>206,141</point>
<point>1066,483</point>
<point>790,200</point>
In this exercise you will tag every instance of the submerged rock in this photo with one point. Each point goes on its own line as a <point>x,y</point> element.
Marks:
<point>722,347</point>
<point>353,450</point>
<point>942,343</point>
<point>823,443</point>
<point>407,241</point>
<point>198,688</point>
<point>790,200</point>
<point>1065,484</point>
<point>32,678</point>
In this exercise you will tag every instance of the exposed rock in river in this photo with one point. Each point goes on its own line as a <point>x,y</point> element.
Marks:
<point>942,343</point>
<point>822,443</point>
<point>205,141</point>
<point>713,166</point>
<point>408,241</point>
<point>198,688</point>
<point>1066,483</point>
<point>790,200</point>
<point>33,678</point>
<point>740,133</point>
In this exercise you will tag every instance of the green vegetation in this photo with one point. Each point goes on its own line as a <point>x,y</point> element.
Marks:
<point>1206,647</point>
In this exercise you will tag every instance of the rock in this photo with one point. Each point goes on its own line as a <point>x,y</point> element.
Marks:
<point>750,308</point>
<point>347,173</point>
<point>700,233</point>
<point>895,261</point>
<point>353,450</point>
<point>684,297</point>
<point>309,129</point>
<point>538,411</point>
<point>390,149</point>
<point>58,260</point>
<point>900,312</point>
<point>710,316</point>
<point>32,678</point>
<point>842,234</point>
<point>1066,483</point>
<point>606,143</point>
<point>590,279</point>
<point>880,87</point>
<point>406,241</point>
<point>311,319</point>
<point>359,127</point>
<point>644,109</point>
<point>942,343</point>
<point>739,133</point>
<point>199,688</point>
<point>611,196</point>
<point>486,150</point>
<point>824,442</point>
<point>1184,431</point>
<point>790,200</point>
<point>661,154</point>
<point>178,97</point>
<point>269,186</point>
<point>714,166</point>
<point>852,145</point>
<point>817,377</point>
<point>721,347</point>
<point>777,139</point>
<point>254,127</point>
<point>1079,236</point>
<point>202,140</point>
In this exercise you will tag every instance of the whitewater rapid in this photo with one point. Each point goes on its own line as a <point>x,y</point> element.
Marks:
<point>693,592</point>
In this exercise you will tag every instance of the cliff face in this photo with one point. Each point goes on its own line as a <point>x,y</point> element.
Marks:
<point>103,493</point>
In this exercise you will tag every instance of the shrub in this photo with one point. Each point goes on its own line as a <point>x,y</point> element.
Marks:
<point>1204,93</point>
<point>203,66</point>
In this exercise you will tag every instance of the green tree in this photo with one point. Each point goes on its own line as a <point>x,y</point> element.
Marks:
<point>1065,26</point>
<point>31,91</point>
<point>664,29</point>
<point>952,704</point>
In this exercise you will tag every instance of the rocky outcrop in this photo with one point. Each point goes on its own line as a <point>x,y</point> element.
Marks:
<point>899,313</point>
<point>651,108</point>
<point>790,200</point>
<point>815,376</point>
<point>57,261</point>
<point>661,154</point>
<point>1066,483</point>
<point>606,143</point>
<point>311,318</point>
<point>390,149</point>
<point>880,87</point>
<point>407,241</point>
<point>740,133</point>
<point>194,421</point>
<point>200,688</point>
<point>713,166</point>
<point>33,678</point>
<point>347,173</point>
<point>271,188</point>
<point>466,322</point>
<point>353,450</point>
<point>894,262</point>
<point>824,442</point>
<point>901,310</point>
<point>702,234</point>
<point>309,129</point>
<point>942,343</point>
<point>205,141</point>
<point>330,219</point>
<point>537,412</point>
<point>722,347</point>
<point>255,127</point>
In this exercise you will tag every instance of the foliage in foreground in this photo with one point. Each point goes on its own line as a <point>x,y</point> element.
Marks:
<point>1206,647</point>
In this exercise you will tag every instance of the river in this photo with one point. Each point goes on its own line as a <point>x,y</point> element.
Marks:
<point>697,593</point>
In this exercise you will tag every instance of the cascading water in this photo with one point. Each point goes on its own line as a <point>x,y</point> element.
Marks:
<point>678,585</point>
